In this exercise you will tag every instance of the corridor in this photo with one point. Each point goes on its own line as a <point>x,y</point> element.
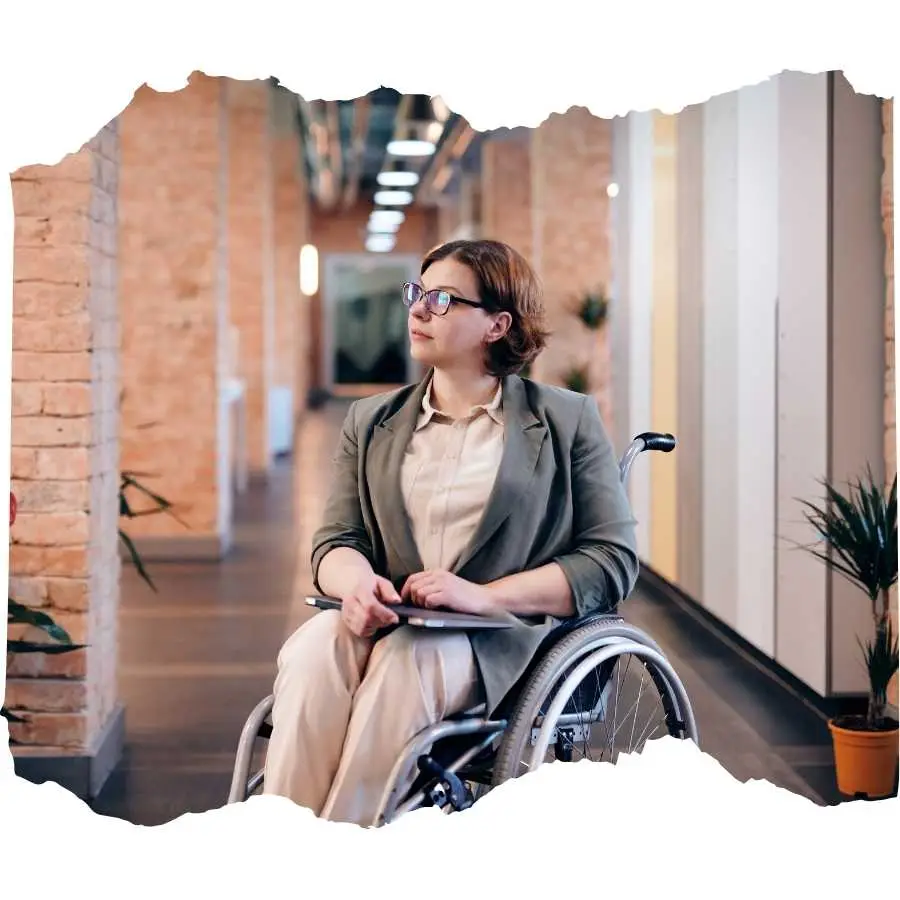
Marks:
<point>196,657</point>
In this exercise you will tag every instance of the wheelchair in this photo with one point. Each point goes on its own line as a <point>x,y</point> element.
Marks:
<point>569,696</point>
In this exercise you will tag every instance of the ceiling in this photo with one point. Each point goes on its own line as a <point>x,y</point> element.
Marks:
<point>345,147</point>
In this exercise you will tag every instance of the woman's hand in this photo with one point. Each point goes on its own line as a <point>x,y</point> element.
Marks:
<point>363,607</point>
<point>436,588</point>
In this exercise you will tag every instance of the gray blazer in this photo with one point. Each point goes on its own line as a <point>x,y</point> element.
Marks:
<point>557,498</point>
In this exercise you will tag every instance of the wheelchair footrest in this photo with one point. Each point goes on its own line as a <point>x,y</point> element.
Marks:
<point>449,789</point>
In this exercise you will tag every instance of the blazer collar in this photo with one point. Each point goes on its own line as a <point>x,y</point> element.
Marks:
<point>524,436</point>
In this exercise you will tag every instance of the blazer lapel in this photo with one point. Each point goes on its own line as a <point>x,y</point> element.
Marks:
<point>524,436</point>
<point>389,441</point>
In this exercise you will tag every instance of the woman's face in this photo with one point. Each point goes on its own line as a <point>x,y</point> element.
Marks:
<point>456,339</point>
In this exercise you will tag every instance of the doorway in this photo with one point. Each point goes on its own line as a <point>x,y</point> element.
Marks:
<point>365,341</point>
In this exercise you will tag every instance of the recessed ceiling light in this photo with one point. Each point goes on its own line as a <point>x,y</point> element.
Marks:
<point>387,216</point>
<point>398,179</point>
<point>410,148</point>
<point>393,198</point>
<point>380,243</point>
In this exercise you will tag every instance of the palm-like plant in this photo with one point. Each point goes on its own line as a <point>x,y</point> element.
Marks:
<point>577,380</point>
<point>859,533</point>
<point>61,642</point>
<point>593,309</point>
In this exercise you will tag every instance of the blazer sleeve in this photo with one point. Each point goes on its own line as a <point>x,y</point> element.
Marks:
<point>602,566</point>
<point>342,523</point>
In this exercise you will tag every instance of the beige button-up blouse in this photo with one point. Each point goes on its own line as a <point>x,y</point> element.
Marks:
<point>448,473</point>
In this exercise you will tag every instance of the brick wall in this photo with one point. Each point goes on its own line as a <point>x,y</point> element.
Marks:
<point>506,192</point>
<point>571,163</point>
<point>287,254</point>
<point>64,466</point>
<point>251,252</point>
<point>169,207</point>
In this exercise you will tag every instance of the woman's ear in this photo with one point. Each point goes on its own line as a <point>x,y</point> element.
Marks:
<point>500,325</point>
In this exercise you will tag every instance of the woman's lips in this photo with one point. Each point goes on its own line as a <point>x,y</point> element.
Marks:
<point>418,336</point>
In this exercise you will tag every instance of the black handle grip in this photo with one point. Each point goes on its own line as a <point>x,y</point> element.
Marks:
<point>654,440</point>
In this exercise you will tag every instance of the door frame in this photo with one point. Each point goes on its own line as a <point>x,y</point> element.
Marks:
<point>330,264</point>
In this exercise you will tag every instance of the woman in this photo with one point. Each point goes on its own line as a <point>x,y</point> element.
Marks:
<point>476,491</point>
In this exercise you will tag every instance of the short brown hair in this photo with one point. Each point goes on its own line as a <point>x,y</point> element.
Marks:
<point>506,283</point>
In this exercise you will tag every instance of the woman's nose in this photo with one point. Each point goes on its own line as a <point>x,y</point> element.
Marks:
<point>418,310</point>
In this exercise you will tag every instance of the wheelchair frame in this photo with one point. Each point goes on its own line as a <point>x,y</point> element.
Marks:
<point>597,639</point>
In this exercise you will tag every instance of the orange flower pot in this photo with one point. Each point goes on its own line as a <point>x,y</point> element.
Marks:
<point>865,761</point>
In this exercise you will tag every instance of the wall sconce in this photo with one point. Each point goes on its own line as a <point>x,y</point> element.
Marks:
<point>309,270</point>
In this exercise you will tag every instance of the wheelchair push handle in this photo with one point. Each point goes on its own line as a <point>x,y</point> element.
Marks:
<point>648,440</point>
<point>655,440</point>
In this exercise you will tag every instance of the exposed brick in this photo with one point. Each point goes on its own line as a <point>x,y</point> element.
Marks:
<point>43,300</point>
<point>27,366</point>
<point>69,334</point>
<point>46,695</point>
<point>52,529</point>
<point>27,399</point>
<point>23,463</point>
<point>38,197</point>
<point>66,399</point>
<point>62,463</point>
<point>47,231</point>
<point>64,450</point>
<point>67,593</point>
<point>69,562</point>
<point>29,591</point>
<point>46,431</point>
<point>59,729</point>
<point>50,496</point>
<point>506,191</point>
<point>571,167</point>
<point>41,665</point>
<point>171,282</point>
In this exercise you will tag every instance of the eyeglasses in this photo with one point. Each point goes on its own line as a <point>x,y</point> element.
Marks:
<point>436,302</point>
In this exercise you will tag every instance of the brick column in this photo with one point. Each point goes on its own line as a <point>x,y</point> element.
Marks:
<point>571,165</point>
<point>506,211</point>
<point>291,332</point>
<point>64,465</point>
<point>251,253</point>
<point>172,297</point>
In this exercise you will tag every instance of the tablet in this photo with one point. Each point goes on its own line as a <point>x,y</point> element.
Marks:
<point>425,618</point>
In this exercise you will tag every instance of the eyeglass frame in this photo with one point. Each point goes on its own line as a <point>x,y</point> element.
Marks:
<point>424,295</point>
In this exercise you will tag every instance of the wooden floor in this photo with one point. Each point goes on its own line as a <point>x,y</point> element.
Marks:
<point>197,657</point>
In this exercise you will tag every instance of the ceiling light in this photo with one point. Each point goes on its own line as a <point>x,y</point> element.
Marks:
<point>380,243</point>
<point>612,190</point>
<point>309,270</point>
<point>410,148</point>
<point>393,198</point>
<point>398,179</point>
<point>387,216</point>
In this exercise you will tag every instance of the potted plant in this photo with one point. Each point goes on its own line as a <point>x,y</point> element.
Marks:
<point>577,380</point>
<point>859,534</point>
<point>592,309</point>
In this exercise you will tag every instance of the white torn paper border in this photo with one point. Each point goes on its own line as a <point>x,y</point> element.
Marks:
<point>671,821</point>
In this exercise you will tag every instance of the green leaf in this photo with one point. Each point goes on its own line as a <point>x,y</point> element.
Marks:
<point>34,647</point>
<point>136,559</point>
<point>20,614</point>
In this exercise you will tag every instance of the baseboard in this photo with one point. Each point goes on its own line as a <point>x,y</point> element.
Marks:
<point>182,548</point>
<point>828,707</point>
<point>83,774</point>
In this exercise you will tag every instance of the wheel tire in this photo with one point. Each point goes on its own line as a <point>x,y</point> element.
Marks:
<point>564,655</point>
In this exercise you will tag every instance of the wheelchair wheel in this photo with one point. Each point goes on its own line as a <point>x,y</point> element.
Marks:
<point>603,689</point>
